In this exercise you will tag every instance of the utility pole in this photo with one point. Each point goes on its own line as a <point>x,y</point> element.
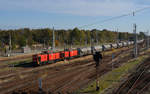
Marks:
<point>71,44</point>
<point>86,40</point>
<point>44,43</point>
<point>92,42</point>
<point>64,43</point>
<point>10,43</point>
<point>117,35</point>
<point>53,47</point>
<point>97,37</point>
<point>128,38</point>
<point>90,39</point>
<point>135,40</point>
<point>147,39</point>
<point>80,42</point>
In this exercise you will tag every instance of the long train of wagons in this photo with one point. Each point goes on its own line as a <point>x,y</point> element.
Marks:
<point>49,57</point>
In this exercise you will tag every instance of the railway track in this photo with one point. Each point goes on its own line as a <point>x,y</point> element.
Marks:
<point>15,58</point>
<point>60,78</point>
<point>36,69</point>
<point>138,82</point>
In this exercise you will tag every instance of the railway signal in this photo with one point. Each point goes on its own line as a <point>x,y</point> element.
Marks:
<point>97,58</point>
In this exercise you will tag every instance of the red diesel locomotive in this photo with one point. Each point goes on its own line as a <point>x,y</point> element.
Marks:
<point>46,57</point>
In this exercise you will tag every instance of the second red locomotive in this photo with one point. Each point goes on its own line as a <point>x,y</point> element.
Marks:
<point>49,57</point>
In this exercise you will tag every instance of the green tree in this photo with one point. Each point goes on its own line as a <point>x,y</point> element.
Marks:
<point>26,36</point>
<point>142,35</point>
<point>75,36</point>
<point>0,44</point>
<point>22,41</point>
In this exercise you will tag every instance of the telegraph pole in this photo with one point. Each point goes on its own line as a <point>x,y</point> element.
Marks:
<point>53,47</point>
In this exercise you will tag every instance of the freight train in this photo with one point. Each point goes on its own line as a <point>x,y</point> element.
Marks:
<point>51,57</point>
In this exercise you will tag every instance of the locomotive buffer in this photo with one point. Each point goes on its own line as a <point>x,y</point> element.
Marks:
<point>97,58</point>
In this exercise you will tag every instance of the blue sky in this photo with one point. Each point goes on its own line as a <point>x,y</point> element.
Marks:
<point>67,14</point>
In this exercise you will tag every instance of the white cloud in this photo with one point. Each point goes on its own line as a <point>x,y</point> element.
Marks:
<point>75,7</point>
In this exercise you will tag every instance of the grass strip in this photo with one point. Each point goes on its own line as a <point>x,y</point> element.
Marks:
<point>113,77</point>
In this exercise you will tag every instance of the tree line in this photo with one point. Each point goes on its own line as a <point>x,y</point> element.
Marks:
<point>22,37</point>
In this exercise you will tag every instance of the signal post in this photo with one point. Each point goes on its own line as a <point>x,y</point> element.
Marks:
<point>97,58</point>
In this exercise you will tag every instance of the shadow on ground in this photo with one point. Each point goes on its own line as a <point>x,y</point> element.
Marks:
<point>24,64</point>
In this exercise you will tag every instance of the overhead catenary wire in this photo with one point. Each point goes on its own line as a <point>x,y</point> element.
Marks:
<point>116,17</point>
